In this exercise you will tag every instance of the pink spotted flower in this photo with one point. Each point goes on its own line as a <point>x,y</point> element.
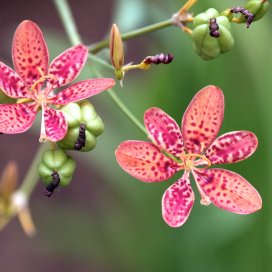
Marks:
<point>194,149</point>
<point>33,83</point>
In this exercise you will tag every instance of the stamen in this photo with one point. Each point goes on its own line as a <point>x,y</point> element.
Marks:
<point>192,157</point>
<point>205,200</point>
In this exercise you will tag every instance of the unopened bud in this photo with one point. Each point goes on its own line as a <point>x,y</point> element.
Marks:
<point>212,34</point>
<point>84,125</point>
<point>116,50</point>
<point>258,8</point>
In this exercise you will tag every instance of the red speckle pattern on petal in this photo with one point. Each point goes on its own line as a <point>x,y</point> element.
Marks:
<point>11,84</point>
<point>29,52</point>
<point>202,119</point>
<point>164,131</point>
<point>228,190</point>
<point>144,161</point>
<point>16,118</point>
<point>177,202</point>
<point>55,124</point>
<point>232,147</point>
<point>68,65</point>
<point>82,90</point>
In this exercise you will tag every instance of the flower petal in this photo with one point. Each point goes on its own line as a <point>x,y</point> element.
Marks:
<point>163,131</point>
<point>144,161</point>
<point>178,201</point>
<point>55,125</point>
<point>82,90</point>
<point>228,190</point>
<point>202,119</point>
<point>232,147</point>
<point>66,67</point>
<point>16,118</point>
<point>29,52</point>
<point>11,84</point>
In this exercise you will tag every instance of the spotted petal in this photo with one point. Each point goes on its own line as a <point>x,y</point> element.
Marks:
<point>29,52</point>
<point>144,161</point>
<point>55,125</point>
<point>66,67</point>
<point>82,90</point>
<point>232,147</point>
<point>11,84</point>
<point>202,119</point>
<point>228,190</point>
<point>178,201</point>
<point>16,118</point>
<point>163,131</point>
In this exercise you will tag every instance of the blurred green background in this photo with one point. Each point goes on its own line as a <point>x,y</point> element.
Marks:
<point>108,221</point>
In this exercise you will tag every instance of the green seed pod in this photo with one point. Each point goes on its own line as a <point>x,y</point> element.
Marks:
<point>205,45</point>
<point>84,125</point>
<point>256,7</point>
<point>59,162</point>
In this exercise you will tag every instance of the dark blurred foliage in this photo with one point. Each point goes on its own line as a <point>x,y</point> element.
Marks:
<point>108,221</point>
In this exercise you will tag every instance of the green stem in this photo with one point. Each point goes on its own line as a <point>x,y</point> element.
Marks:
<point>32,177</point>
<point>68,21</point>
<point>95,48</point>
<point>112,94</point>
<point>69,25</point>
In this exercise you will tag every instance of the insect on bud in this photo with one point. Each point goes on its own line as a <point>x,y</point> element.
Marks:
<point>116,50</point>
<point>159,58</point>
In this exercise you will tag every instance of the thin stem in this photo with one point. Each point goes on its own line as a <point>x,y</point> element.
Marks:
<point>112,94</point>
<point>68,21</point>
<point>66,16</point>
<point>95,48</point>
<point>32,177</point>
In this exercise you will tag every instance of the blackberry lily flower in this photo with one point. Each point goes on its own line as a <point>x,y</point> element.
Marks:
<point>33,83</point>
<point>194,149</point>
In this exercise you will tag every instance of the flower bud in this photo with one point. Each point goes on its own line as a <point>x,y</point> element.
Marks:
<point>257,7</point>
<point>84,125</point>
<point>56,161</point>
<point>206,45</point>
<point>116,51</point>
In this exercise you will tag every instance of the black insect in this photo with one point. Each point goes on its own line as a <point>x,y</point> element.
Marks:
<point>49,189</point>
<point>248,15</point>
<point>81,140</point>
<point>213,27</point>
<point>160,58</point>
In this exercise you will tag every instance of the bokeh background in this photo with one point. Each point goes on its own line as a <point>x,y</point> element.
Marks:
<point>108,221</point>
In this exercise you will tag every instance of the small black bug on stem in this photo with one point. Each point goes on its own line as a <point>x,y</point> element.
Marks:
<point>248,15</point>
<point>159,58</point>
<point>81,140</point>
<point>213,27</point>
<point>49,189</point>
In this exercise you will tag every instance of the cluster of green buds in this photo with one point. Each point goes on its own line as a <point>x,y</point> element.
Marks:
<point>56,169</point>
<point>117,56</point>
<point>84,125</point>
<point>212,33</point>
